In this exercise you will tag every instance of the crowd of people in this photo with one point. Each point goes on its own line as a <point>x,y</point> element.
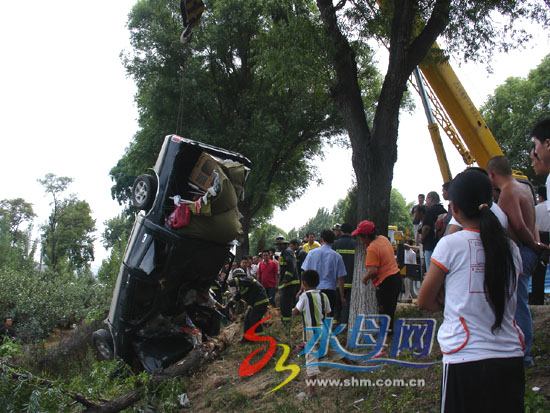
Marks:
<point>479,254</point>
<point>494,243</point>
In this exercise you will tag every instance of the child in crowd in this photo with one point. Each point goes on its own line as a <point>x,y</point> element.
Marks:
<point>314,307</point>
<point>474,280</point>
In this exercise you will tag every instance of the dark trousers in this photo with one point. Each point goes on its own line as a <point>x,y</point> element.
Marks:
<point>387,294</point>
<point>270,291</point>
<point>340,313</point>
<point>331,295</point>
<point>287,300</point>
<point>254,315</point>
<point>539,276</point>
<point>491,385</point>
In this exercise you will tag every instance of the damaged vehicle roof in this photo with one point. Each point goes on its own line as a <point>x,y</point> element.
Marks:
<point>180,240</point>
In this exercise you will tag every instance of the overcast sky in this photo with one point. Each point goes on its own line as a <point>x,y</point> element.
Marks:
<point>67,107</point>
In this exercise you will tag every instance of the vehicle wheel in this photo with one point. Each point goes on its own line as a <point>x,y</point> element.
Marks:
<point>144,191</point>
<point>103,343</point>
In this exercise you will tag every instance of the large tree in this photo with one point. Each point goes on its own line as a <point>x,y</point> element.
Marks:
<point>67,238</point>
<point>18,212</point>
<point>512,111</point>
<point>222,88</point>
<point>410,27</point>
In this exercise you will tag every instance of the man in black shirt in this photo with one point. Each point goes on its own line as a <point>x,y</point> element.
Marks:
<point>433,211</point>
<point>299,253</point>
<point>7,330</point>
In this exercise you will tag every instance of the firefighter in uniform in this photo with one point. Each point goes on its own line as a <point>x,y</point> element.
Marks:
<point>289,283</point>
<point>253,293</point>
<point>218,287</point>
<point>345,246</point>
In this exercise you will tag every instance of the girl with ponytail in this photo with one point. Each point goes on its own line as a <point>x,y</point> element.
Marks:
<point>473,279</point>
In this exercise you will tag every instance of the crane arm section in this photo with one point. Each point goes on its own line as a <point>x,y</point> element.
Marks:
<point>464,115</point>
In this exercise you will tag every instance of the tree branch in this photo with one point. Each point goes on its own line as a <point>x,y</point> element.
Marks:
<point>7,368</point>
<point>438,21</point>
<point>186,367</point>
<point>340,5</point>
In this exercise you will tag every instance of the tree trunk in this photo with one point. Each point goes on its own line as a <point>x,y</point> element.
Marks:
<point>244,247</point>
<point>363,297</point>
<point>375,152</point>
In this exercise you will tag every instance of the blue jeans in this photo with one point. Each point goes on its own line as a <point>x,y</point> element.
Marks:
<point>427,256</point>
<point>523,314</point>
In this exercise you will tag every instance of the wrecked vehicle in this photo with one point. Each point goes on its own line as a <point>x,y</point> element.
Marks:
<point>180,240</point>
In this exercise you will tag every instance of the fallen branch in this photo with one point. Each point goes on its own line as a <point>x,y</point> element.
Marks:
<point>186,367</point>
<point>9,369</point>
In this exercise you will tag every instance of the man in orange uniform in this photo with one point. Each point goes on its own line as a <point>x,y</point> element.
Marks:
<point>382,268</point>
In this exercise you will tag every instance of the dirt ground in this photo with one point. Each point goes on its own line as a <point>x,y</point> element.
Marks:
<point>218,387</point>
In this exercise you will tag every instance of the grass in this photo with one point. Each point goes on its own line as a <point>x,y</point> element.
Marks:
<point>235,393</point>
<point>250,393</point>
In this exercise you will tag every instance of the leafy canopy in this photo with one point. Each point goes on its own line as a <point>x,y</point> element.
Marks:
<point>512,111</point>
<point>253,80</point>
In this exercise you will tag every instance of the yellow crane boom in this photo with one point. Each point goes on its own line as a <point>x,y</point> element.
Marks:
<point>453,108</point>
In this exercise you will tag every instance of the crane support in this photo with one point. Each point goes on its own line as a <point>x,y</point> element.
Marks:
<point>434,130</point>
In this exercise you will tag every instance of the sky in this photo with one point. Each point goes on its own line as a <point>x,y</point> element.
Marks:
<point>67,107</point>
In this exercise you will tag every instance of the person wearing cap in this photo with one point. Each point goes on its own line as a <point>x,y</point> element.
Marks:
<point>337,229</point>
<point>382,268</point>
<point>253,293</point>
<point>288,279</point>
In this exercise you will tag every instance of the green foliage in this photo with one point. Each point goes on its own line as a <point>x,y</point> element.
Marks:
<point>345,209</point>
<point>67,237</point>
<point>475,31</point>
<point>39,302</point>
<point>400,213</point>
<point>238,92</point>
<point>117,230</point>
<point>323,219</point>
<point>512,111</point>
<point>263,237</point>
<point>110,267</point>
<point>9,348</point>
<point>535,402</point>
<point>29,395</point>
<point>16,254</point>
<point>94,381</point>
<point>18,212</point>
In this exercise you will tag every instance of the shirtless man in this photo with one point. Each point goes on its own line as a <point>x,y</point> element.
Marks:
<point>517,202</point>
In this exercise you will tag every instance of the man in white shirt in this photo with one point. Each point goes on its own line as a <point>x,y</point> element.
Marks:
<point>409,258</point>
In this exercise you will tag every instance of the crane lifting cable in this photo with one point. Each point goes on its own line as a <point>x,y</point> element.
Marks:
<point>191,12</point>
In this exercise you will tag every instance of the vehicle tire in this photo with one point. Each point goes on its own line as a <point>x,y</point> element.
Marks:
<point>144,191</point>
<point>103,344</point>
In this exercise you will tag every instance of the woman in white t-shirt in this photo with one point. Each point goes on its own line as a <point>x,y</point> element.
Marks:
<point>474,280</point>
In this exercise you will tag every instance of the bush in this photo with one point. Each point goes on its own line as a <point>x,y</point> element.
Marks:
<point>40,302</point>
